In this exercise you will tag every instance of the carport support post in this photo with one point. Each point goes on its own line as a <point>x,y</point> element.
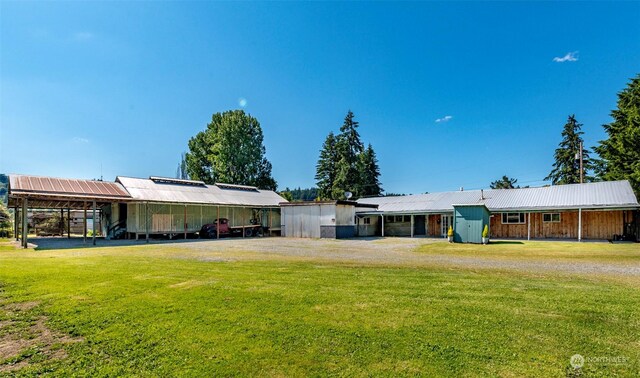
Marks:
<point>185,222</point>
<point>146,220</point>
<point>15,222</point>
<point>25,226</point>
<point>93,224</point>
<point>529,227</point>
<point>218,224</point>
<point>84,223</point>
<point>68,223</point>
<point>62,222</point>
<point>382,217</point>
<point>579,224</point>
<point>242,221</point>
<point>411,225</point>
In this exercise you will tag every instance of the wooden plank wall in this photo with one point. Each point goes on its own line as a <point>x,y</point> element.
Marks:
<point>595,225</point>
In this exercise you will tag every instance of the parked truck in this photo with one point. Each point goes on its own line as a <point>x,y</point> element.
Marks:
<point>210,230</point>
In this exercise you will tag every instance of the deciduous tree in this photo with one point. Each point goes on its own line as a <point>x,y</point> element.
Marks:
<point>230,150</point>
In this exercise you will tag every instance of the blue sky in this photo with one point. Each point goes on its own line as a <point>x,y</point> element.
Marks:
<point>121,87</point>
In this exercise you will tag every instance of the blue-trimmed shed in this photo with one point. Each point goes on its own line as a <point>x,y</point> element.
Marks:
<point>469,221</point>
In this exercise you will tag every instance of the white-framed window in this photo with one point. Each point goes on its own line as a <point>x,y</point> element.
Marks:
<point>366,220</point>
<point>513,218</point>
<point>551,217</point>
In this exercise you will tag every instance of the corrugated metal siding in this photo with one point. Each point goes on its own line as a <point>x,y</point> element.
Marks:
<point>148,190</point>
<point>609,194</point>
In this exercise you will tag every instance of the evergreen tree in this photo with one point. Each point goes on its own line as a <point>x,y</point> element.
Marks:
<point>505,183</point>
<point>181,171</point>
<point>567,162</point>
<point>326,167</point>
<point>346,166</point>
<point>620,153</point>
<point>369,174</point>
<point>230,150</point>
<point>349,147</point>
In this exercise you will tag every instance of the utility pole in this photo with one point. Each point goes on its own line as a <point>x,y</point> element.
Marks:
<point>581,169</point>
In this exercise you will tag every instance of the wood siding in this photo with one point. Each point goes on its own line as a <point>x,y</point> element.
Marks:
<point>595,225</point>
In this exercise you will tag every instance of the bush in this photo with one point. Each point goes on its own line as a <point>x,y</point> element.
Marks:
<point>485,232</point>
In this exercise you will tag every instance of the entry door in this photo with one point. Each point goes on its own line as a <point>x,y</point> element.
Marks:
<point>447,220</point>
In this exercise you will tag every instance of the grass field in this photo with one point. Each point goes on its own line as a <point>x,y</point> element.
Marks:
<point>167,311</point>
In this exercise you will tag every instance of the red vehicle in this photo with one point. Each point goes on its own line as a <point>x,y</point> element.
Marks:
<point>210,230</point>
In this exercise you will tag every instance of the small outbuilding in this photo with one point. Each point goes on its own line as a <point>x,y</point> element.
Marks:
<point>469,221</point>
<point>319,219</point>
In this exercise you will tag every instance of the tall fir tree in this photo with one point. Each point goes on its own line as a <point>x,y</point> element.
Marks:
<point>369,174</point>
<point>349,147</point>
<point>620,152</point>
<point>504,183</point>
<point>566,168</point>
<point>326,167</point>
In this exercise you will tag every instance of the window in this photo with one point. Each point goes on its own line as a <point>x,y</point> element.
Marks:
<point>551,217</point>
<point>513,218</point>
<point>407,218</point>
<point>366,220</point>
<point>399,218</point>
<point>389,219</point>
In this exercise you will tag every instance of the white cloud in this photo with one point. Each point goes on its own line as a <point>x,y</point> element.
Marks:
<point>80,140</point>
<point>242,102</point>
<point>569,57</point>
<point>444,119</point>
<point>82,36</point>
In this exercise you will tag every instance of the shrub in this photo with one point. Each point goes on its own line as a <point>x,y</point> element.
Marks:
<point>485,232</point>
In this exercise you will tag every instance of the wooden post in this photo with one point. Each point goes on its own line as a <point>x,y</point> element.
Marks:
<point>411,225</point>
<point>146,220</point>
<point>242,221</point>
<point>529,227</point>
<point>270,221</point>
<point>25,225</point>
<point>185,222</point>
<point>579,224</point>
<point>93,224</point>
<point>218,224</point>
<point>61,222</point>
<point>382,216</point>
<point>15,221</point>
<point>84,221</point>
<point>68,223</point>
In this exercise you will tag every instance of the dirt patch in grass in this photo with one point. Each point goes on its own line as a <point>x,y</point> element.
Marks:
<point>25,337</point>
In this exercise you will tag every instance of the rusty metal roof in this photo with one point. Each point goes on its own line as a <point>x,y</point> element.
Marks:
<point>37,186</point>
<point>596,195</point>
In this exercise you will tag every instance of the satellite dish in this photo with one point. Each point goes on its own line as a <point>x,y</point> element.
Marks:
<point>348,194</point>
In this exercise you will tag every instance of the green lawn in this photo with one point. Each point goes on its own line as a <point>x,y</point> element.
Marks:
<point>139,311</point>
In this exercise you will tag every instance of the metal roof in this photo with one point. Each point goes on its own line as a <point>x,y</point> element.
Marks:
<point>596,195</point>
<point>24,185</point>
<point>149,190</point>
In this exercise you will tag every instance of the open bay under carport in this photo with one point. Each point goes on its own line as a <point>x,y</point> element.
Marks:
<point>34,192</point>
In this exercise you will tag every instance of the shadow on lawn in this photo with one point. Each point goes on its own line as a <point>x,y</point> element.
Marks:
<point>506,242</point>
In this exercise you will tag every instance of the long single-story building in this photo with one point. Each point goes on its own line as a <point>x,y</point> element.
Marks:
<point>134,207</point>
<point>599,210</point>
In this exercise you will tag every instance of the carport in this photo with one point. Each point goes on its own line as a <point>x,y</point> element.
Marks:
<point>36,192</point>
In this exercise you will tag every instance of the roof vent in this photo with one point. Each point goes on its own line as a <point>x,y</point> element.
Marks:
<point>482,194</point>
<point>461,189</point>
<point>173,181</point>
<point>246,188</point>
